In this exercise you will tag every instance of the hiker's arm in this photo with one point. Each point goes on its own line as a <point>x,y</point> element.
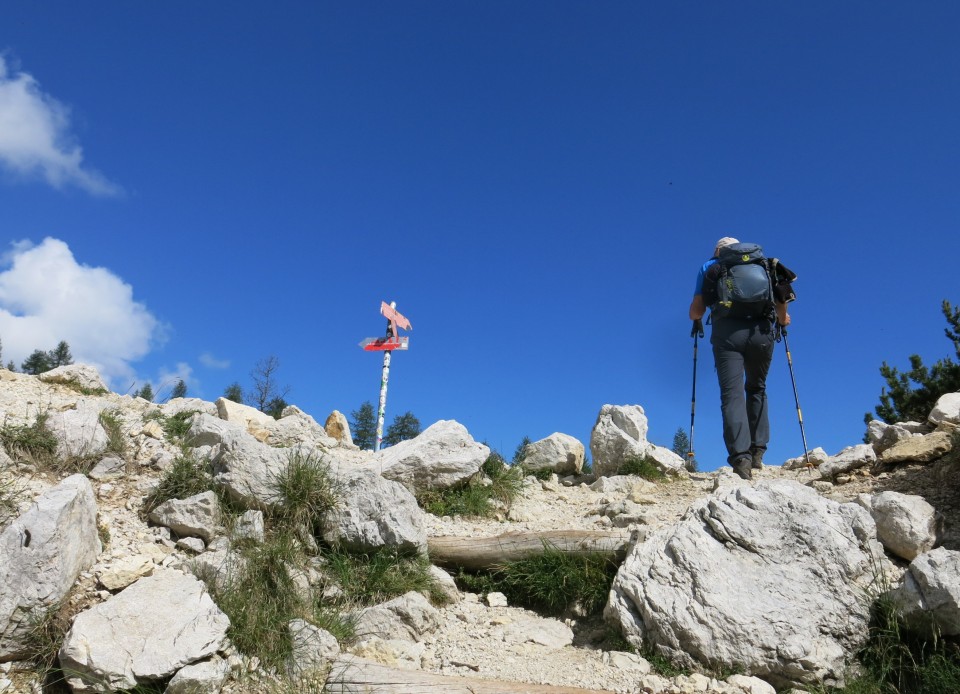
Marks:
<point>697,307</point>
<point>783,318</point>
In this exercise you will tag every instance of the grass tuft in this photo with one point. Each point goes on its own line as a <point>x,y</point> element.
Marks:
<point>496,488</point>
<point>112,424</point>
<point>375,577</point>
<point>305,492</point>
<point>186,477</point>
<point>549,582</point>
<point>31,443</point>
<point>642,467</point>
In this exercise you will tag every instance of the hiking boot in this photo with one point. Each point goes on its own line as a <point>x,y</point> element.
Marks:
<point>743,466</point>
<point>757,456</point>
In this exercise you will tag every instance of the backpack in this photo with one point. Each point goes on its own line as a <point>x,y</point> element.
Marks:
<point>744,288</point>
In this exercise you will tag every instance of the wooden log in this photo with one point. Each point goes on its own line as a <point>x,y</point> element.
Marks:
<point>477,553</point>
<point>353,675</point>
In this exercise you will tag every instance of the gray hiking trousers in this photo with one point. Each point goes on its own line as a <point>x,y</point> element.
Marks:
<point>742,351</point>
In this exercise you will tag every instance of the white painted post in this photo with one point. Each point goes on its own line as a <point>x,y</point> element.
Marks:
<point>383,399</point>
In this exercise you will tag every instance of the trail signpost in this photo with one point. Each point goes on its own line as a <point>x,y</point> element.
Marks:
<point>386,344</point>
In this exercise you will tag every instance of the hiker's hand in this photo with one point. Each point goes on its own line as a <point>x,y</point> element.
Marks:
<point>783,318</point>
<point>697,328</point>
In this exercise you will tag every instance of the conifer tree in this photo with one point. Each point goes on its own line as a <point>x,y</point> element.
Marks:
<point>179,390</point>
<point>902,402</point>
<point>233,392</point>
<point>404,426</point>
<point>681,446</point>
<point>363,426</point>
<point>146,392</point>
<point>37,363</point>
<point>60,355</point>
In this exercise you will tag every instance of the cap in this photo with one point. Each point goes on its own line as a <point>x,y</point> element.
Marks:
<point>725,241</point>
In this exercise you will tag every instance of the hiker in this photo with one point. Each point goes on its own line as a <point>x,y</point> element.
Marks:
<point>747,295</point>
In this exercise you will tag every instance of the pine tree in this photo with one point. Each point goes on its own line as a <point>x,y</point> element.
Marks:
<point>681,446</point>
<point>60,355</point>
<point>363,426</point>
<point>521,452</point>
<point>233,392</point>
<point>275,407</point>
<point>37,363</point>
<point>146,392</point>
<point>179,390</point>
<point>899,401</point>
<point>404,427</point>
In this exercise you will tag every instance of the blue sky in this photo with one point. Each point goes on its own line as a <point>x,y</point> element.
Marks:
<point>186,188</point>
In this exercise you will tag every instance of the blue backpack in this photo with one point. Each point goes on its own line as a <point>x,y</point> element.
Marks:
<point>744,288</point>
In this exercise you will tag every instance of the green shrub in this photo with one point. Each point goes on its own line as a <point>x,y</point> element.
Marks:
<point>260,598</point>
<point>304,492</point>
<point>176,426</point>
<point>186,477</point>
<point>111,423</point>
<point>375,577</point>
<point>496,488</point>
<point>31,443</point>
<point>550,582</point>
<point>642,467</point>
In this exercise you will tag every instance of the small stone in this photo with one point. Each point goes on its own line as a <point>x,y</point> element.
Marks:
<point>191,544</point>
<point>496,599</point>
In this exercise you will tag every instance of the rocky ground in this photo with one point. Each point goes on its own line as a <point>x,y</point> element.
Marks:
<point>475,639</point>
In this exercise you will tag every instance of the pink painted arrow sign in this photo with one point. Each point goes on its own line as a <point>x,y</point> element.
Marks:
<point>391,314</point>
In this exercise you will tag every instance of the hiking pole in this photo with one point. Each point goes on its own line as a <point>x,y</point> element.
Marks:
<point>696,333</point>
<point>782,330</point>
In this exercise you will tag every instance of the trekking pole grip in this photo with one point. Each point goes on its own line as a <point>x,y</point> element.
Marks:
<point>697,328</point>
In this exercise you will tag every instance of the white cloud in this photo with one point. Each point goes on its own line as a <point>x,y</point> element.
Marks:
<point>35,137</point>
<point>211,362</point>
<point>46,296</point>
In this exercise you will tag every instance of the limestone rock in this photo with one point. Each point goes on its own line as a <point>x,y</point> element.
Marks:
<point>250,526</point>
<point>906,524</point>
<point>445,583</point>
<point>560,453</point>
<point>41,554</point>
<point>313,649</point>
<point>619,434</point>
<point>545,632</point>
<point>195,516</point>
<point>410,617</point>
<point>748,567</point>
<point>147,632</point>
<point>930,593</point>
<point>919,449</point>
<point>179,405</point>
<point>374,512</point>
<point>78,430</point>
<point>848,459</point>
<point>204,677</point>
<point>248,417</point>
<point>295,427</point>
<point>817,457</point>
<point>82,375</point>
<point>109,468</point>
<point>125,571</point>
<point>442,456</point>
<point>947,409</point>
<point>338,429</point>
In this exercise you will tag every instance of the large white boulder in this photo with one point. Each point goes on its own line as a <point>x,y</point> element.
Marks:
<point>83,376</point>
<point>443,455</point>
<point>906,524</point>
<point>410,616</point>
<point>930,593</point>
<point>919,449</point>
<point>766,578</point>
<point>195,516</point>
<point>373,513</point>
<point>848,459</point>
<point>560,453</point>
<point>620,435</point>
<point>947,409</point>
<point>41,554</point>
<point>145,633</point>
<point>78,429</point>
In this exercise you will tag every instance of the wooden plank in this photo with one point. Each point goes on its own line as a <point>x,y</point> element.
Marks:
<point>477,553</point>
<point>353,675</point>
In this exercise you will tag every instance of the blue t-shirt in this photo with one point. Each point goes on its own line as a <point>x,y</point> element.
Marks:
<point>703,271</point>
